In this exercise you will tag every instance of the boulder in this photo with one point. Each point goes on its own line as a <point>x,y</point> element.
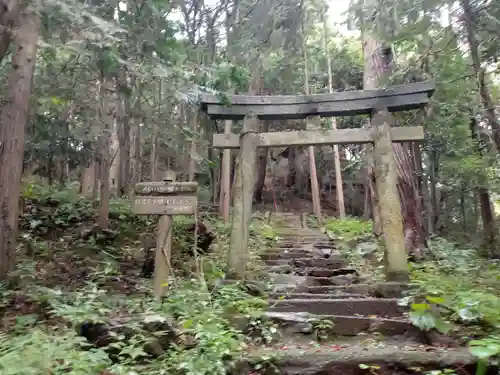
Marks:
<point>158,330</point>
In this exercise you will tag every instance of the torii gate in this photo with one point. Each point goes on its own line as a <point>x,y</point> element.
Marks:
<point>379,104</point>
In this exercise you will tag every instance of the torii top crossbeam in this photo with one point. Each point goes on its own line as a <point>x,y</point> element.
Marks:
<point>347,103</point>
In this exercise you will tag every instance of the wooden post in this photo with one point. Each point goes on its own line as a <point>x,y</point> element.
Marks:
<point>312,123</point>
<point>163,268</point>
<point>225,188</point>
<point>395,255</point>
<point>243,197</point>
<point>165,198</point>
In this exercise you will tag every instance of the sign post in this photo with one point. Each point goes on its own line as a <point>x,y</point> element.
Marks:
<point>165,198</point>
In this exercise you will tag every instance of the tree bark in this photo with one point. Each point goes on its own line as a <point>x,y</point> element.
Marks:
<point>105,156</point>
<point>379,64</point>
<point>261,166</point>
<point>483,194</point>
<point>484,91</point>
<point>339,187</point>
<point>123,178</point>
<point>9,15</point>
<point>192,114</point>
<point>13,118</point>
<point>225,180</point>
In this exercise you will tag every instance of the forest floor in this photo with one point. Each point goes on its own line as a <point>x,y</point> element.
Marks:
<point>77,302</point>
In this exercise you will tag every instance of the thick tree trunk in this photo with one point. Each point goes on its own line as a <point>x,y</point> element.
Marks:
<point>13,117</point>
<point>378,64</point>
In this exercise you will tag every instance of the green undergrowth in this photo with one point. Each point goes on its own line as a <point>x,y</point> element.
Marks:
<point>457,292</point>
<point>349,228</point>
<point>68,275</point>
<point>355,239</point>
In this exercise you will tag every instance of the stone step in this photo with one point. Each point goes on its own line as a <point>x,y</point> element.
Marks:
<point>307,281</point>
<point>309,262</point>
<point>381,307</point>
<point>308,250</point>
<point>343,325</point>
<point>384,289</point>
<point>298,236</point>
<point>325,272</point>
<point>304,241</point>
<point>315,296</point>
<point>288,255</point>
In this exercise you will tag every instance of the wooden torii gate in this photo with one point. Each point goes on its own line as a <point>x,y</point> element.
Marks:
<point>379,104</point>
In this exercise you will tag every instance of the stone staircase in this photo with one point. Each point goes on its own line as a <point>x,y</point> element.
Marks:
<point>312,281</point>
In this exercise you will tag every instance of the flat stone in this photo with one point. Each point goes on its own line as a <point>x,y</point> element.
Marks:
<point>383,307</point>
<point>278,262</point>
<point>351,325</point>
<point>315,296</point>
<point>385,290</point>
<point>284,269</point>
<point>329,272</point>
<point>275,255</point>
<point>290,281</point>
<point>332,262</point>
<point>298,322</point>
<point>366,248</point>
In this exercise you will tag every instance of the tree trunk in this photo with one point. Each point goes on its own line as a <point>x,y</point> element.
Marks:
<point>154,136</point>
<point>113,157</point>
<point>487,215</point>
<point>123,178</point>
<point>339,187</point>
<point>488,104</point>
<point>88,175</point>
<point>225,180</point>
<point>261,166</point>
<point>13,118</point>
<point>311,123</point>
<point>9,15</point>
<point>369,83</point>
<point>378,64</point>
<point>105,157</point>
<point>192,115</point>
<point>135,152</point>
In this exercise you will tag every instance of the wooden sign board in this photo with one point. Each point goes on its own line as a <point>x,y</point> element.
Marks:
<point>165,188</point>
<point>173,205</point>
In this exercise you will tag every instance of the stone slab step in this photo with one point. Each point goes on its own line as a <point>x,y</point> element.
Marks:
<point>309,262</point>
<point>301,242</point>
<point>384,289</point>
<point>306,250</point>
<point>381,307</point>
<point>297,236</point>
<point>324,272</point>
<point>307,281</point>
<point>315,296</point>
<point>344,325</point>
<point>276,255</point>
